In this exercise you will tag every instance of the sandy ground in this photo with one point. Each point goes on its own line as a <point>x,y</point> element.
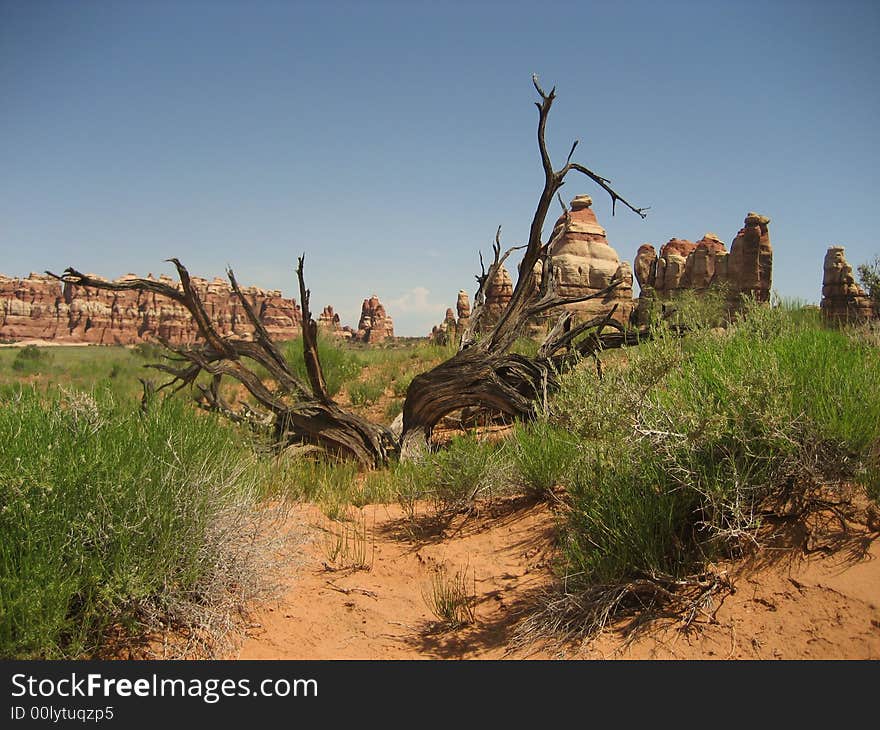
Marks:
<point>786,604</point>
<point>46,343</point>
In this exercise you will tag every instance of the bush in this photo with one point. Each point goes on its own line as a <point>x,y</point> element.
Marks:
<point>869,276</point>
<point>448,478</point>
<point>543,456</point>
<point>31,359</point>
<point>113,518</point>
<point>688,438</point>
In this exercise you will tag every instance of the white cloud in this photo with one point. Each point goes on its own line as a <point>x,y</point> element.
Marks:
<point>415,301</point>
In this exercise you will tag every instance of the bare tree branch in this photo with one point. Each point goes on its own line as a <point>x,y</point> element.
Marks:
<point>310,339</point>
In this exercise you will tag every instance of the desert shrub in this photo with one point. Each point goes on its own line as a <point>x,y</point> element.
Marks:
<point>410,482</point>
<point>115,518</point>
<point>447,478</point>
<point>869,277</point>
<point>401,384</point>
<point>702,310</point>
<point>464,469</point>
<point>340,365</point>
<point>31,359</point>
<point>686,441</point>
<point>543,456</point>
<point>592,408</point>
<point>366,392</point>
<point>625,519</point>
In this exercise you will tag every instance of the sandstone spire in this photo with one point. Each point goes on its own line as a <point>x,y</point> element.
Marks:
<point>843,300</point>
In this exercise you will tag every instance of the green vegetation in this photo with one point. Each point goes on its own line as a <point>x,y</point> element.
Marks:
<point>339,364</point>
<point>112,518</point>
<point>115,518</point>
<point>87,368</point>
<point>31,359</point>
<point>367,392</point>
<point>688,440</point>
<point>869,276</point>
<point>450,598</point>
<point>544,456</point>
<point>348,545</point>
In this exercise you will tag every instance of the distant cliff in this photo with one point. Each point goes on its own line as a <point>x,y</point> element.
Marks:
<point>42,308</point>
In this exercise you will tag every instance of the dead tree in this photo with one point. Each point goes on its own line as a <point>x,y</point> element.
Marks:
<point>484,374</point>
<point>296,412</point>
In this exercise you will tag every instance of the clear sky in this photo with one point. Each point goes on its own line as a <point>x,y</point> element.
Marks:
<point>388,140</point>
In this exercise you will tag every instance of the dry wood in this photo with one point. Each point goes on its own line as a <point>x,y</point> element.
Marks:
<point>299,414</point>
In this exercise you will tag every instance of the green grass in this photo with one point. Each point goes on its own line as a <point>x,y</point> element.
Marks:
<point>451,597</point>
<point>367,392</point>
<point>86,368</point>
<point>543,455</point>
<point>111,517</point>
<point>31,359</point>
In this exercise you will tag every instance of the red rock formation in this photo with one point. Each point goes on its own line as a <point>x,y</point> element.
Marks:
<point>450,327</point>
<point>750,264</point>
<point>463,306</point>
<point>700,268</point>
<point>583,263</point>
<point>498,294</point>
<point>679,246</point>
<point>328,320</point>
<point>375,325</point>
<point>645,266</point>
<point>40,307</point>
<point>32,308</point>
<point>843,300</point>
<point>745,271</point>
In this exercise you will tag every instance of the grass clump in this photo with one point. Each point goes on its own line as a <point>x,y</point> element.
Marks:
<point>448,479</point>
<point>367,392</point>
<point>458,473</point>
<point>543,456</point>
<point>114,519</point>
<point>450,598</point>
<point>349,545</point>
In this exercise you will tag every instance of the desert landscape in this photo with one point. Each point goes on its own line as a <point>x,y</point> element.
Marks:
<point>602,448</point>
<point>560,471</point>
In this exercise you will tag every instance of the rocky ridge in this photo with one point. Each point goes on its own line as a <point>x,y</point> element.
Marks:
<point>40,307</point>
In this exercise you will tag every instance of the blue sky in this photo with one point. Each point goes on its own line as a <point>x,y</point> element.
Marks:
<point>388,140</point>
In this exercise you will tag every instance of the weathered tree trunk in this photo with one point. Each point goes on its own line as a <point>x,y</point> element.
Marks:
<point>483,373</point>
<point>510,383</point>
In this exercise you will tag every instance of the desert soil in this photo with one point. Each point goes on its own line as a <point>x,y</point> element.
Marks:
<point>822,602</point>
